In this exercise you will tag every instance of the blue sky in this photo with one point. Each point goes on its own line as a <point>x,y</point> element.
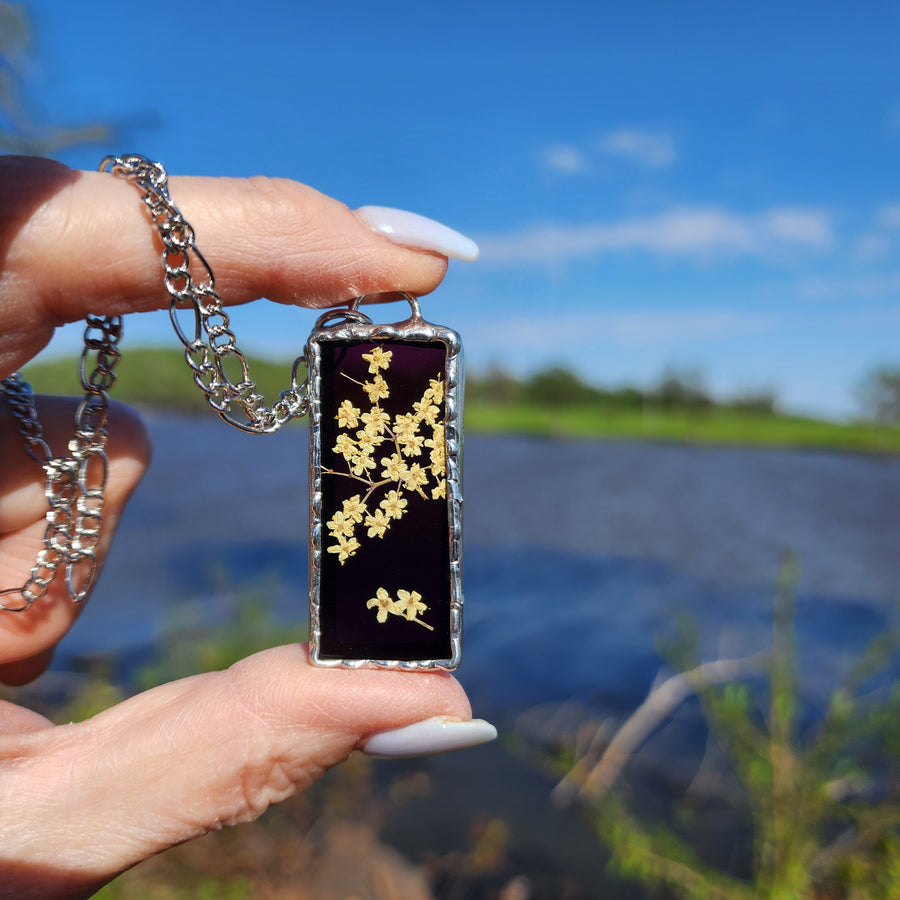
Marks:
<point>700,185</point>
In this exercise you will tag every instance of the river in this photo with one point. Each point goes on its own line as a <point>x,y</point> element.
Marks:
<point>578,554</point>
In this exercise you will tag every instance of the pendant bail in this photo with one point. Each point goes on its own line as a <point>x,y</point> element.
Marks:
<point>412,299</point>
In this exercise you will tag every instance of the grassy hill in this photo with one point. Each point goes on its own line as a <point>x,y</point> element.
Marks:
<point>153,378</point>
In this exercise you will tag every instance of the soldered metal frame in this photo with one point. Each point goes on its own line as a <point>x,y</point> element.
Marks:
<point>355,327</point>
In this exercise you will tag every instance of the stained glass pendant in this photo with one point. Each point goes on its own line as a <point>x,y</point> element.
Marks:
<point>385,497</point>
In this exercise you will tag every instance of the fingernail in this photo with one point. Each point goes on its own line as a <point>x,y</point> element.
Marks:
<point>412,230</point>
<point>437,735</point>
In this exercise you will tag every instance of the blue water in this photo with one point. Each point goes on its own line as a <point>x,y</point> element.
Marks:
<point>578,554</point>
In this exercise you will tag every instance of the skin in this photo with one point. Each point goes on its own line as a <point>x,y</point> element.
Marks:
<point>83,802</point>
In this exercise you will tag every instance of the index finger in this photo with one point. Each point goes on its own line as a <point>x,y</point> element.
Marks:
<point>75,243</point>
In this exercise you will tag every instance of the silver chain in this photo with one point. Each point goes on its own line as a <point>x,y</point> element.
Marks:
<point>210,344</point>
<point>74,485</point>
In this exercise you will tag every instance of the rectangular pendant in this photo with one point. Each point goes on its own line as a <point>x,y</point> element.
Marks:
<point>385,498</point>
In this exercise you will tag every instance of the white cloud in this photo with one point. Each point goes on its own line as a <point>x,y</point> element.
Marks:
<point>687,232</point>
<point>865,287</point>
<point>797,226</point>
<point>630,330</point>
<point>644,148</point>
<point>565,158</point>
<point>889,216</point>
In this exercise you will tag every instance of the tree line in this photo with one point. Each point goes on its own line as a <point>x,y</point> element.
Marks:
<point>879,395</point>
<point>560,386</point>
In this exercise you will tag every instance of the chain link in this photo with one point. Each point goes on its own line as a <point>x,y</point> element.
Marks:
<point>209,345</point>
<point>74,485</point>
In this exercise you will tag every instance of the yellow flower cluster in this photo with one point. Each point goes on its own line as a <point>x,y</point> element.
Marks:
<point>385,455</point>
<point>408,604</point>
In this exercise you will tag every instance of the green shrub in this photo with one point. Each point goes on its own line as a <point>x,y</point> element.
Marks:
<point>823,807</point>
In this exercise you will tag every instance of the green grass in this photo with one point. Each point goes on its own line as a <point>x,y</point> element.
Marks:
<point>160,379</point>
<point>154,378</point>
<point>715,426</point>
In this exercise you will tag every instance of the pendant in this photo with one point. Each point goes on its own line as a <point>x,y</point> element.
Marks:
<point>385,498</point>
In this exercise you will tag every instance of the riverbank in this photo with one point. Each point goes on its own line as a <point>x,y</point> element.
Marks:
<point>716,426</point>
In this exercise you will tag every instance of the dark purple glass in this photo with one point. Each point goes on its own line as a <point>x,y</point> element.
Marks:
<point>384,583</point>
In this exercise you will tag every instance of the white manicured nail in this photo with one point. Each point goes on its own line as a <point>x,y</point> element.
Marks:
<point>437,735</point>
<point>412,230</point>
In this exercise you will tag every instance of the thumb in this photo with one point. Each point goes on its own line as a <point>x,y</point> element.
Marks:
<point>197,754</point>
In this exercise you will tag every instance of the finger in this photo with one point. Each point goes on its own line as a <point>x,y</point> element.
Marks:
<point>23,671</point>
<point>27,638</point>
<point>82,242</point>
<point>18,720</point>
<point>198,754</point>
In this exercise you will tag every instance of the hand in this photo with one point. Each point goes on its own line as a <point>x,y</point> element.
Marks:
<point>83,802</point>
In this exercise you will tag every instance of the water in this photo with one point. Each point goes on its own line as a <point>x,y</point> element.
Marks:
<point>577,553</point>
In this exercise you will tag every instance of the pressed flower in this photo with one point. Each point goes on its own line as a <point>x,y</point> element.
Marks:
<point>384,603</point>
<point>412,445</point>
<point>394,467</point>
<point>345,548</point>
<point>345,446</point>
<point>378,359</point>
<point>347,415</point>
<point>405,424</point>
<point>365,442</point>
<point>354,508</point>
<point>437,441</point>
<point>375,420</point>
<point>438,459</point>
<point>377,524</point>
<point>393,504</point>
<point>376,389</point>
<point>340,525</point>
<point>439,491</point>
<point>437,389</point>
<point>362,463</point>
<point>425,409</point>
<point>427,412</point>
<point>415,477</point>
<point>410,603</point>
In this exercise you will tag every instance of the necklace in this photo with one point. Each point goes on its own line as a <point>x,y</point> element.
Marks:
<point>385,408</point>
